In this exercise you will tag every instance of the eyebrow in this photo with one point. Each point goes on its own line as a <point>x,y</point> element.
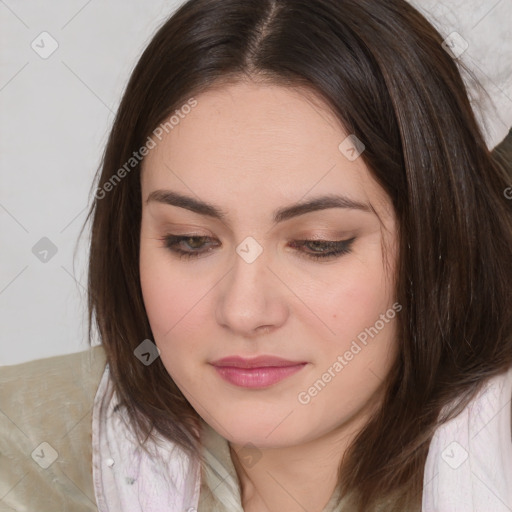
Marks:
<point>324,202</point>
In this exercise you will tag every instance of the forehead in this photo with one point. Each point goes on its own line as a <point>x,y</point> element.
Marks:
<point>254,144</point>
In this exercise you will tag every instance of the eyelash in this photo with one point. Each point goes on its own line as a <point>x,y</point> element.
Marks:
<point>339,247</point>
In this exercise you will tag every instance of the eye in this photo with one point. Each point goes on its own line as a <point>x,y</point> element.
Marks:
<point>191,246</point>
<point>323,249</point>
<point>191,243</point>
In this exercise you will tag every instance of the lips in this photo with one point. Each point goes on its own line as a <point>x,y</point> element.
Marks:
<point>256,362</point>
<point>257,373</point>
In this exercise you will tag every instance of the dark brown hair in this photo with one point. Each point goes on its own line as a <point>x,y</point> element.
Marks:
<point>382,69</point>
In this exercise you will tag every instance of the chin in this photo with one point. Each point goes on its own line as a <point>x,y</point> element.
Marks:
<point>242,430</point>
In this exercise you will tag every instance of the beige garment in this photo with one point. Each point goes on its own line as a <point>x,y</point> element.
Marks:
<point>45,433</point>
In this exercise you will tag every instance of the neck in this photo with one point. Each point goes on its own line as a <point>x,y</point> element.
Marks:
<point>295,478</point>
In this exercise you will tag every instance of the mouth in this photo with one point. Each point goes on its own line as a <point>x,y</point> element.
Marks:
<point>256,373</point>
<point>255,362</point>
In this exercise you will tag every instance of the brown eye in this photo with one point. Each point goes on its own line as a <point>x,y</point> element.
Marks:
<point>186,246</point>
<point>325,248</point>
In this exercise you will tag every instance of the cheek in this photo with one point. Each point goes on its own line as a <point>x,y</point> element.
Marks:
<point>176,304</point>
<point>355,299</point>
<point>166,298</point>
<point>157,299</point>
<point>358,309</point>
<point>165,293</point>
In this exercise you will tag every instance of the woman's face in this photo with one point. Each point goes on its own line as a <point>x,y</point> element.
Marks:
<point>247,156</point>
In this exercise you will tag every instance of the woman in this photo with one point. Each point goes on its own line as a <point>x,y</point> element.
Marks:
<point>300,270</point>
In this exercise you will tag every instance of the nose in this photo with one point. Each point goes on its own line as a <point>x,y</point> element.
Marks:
<point>252,300</point>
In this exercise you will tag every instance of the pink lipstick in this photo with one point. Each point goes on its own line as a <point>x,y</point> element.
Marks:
<point>256,373</point>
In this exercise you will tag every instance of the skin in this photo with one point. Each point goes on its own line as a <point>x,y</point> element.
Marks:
<point>249,149</point>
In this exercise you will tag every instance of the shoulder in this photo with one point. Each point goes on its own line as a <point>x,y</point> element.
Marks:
<point>45,431</point>
<point>469,463</point>
<point>63,366</point>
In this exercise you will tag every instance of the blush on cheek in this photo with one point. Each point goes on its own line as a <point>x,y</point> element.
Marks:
<point>175,309</point>
<point>357,299</point>
<point>356,311</point>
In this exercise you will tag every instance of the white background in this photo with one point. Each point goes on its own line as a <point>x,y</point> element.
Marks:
<point>56,113</point>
